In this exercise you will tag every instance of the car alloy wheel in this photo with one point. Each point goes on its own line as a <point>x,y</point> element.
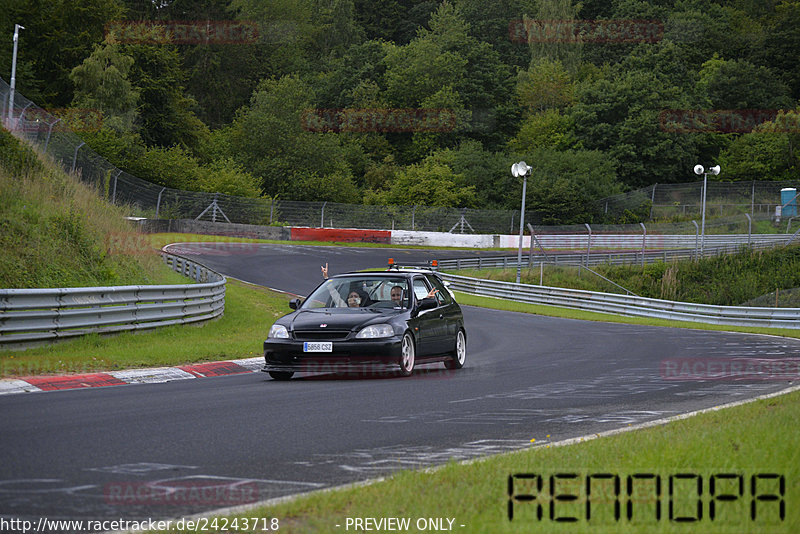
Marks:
<point>459,354</point>
<point>407,355</point>
<point>281,375</point>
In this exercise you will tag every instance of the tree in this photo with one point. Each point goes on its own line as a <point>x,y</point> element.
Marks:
<point>620,116</point>
<point>548,129</point>
<point>427,183</point>
<point>166,112</point>
<point>564,186</point>
<point>738,84</point>
<point>494,23</point>
<point>781,49</point>
<point>58,36</point>
<point>228,177</point>
<point>356,78</point>
<point>101,82</point>
<point>487,172</point>
<point>447,65</point>
<point>545,85</point>
<point>545,39</point>
<point>769,152</point>
<point>276,142</point>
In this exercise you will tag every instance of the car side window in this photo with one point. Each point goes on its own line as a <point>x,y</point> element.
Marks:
<point>443,295</point>
<point>420,289</point>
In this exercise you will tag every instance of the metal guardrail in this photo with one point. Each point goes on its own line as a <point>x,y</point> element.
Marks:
<point>603,258</point>
<point>627,304</point>
<point>37,315</point>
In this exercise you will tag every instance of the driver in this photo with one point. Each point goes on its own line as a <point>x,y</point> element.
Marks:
<point>397,295</point>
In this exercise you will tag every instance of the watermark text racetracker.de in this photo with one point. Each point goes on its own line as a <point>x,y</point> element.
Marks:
<point>726,120</point>
<point>134,243</point>
<point>585,31</point>
<point>689,369</point>
<point>382,120</point>
<point>45,525</point>
<point>182,32</point>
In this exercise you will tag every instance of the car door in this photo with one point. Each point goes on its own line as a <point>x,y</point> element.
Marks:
<point>450,312</point>
<point>431,338</point>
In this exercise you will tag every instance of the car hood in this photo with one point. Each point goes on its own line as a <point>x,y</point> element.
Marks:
<point>338,318</point>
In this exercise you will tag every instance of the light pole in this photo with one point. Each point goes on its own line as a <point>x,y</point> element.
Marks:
<point>698,170</point>
<point>521,169</point>
<point>17,28</point>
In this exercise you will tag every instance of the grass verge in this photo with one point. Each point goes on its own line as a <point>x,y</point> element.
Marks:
<point>755,439</point>
<point>239,333</point>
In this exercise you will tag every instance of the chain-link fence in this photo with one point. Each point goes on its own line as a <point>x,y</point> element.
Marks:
<point>684,201</point>
<point>681,201</point>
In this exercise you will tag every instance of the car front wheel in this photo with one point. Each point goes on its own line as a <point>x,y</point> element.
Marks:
<point>407,355</point>
<point>281,375</point>
<point>460,352</point>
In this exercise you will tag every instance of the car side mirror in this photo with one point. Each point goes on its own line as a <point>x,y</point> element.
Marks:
<point>295,303</point>
<point>427,304</point>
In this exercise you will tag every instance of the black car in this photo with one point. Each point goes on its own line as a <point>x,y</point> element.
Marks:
<point>369,321</point>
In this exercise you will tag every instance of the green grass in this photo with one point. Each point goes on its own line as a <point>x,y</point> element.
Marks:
<point>727,280</point>
<point>57,232</point>
<point>753,439</point>
<point>239,333</point>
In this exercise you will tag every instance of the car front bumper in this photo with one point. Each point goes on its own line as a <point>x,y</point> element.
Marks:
<point>365,355</point>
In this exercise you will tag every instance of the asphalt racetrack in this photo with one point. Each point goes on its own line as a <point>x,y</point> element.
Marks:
<point>147,451</point>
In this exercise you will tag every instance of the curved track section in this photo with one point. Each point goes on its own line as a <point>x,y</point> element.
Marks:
<point>132,452</point>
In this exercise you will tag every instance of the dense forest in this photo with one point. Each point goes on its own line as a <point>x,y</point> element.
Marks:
<point>422,101</point>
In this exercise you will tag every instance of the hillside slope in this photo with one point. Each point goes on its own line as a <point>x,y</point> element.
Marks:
<point>57,232</point>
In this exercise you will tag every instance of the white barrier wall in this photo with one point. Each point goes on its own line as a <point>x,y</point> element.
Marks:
<point>444,239</point>
<point>573,241</point>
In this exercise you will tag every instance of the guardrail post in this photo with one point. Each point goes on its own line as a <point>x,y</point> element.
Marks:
<point>749,228</point>
<point>644,241</point>
<point>589,243</point>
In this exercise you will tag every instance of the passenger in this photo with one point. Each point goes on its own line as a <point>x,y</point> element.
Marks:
<point>354,298</point>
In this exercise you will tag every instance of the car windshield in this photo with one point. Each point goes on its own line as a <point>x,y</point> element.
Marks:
<point>360,292</point>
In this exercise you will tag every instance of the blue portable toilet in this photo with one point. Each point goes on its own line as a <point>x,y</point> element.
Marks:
<point>789,202</point>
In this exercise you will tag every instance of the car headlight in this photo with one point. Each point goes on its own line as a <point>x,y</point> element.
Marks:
<point>278,331</point>
<point>376,331</point>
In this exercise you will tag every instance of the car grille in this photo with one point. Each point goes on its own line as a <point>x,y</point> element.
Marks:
<point>313,335</point>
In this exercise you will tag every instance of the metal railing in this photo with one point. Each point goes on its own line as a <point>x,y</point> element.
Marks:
<point>627,304</point>
<point>39,315</point>
<point>606,258</point>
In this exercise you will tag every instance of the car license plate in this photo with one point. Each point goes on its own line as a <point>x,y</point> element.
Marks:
<point>317,347</point>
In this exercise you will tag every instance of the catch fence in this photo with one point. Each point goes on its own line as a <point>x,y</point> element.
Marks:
<point>682,201</point>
